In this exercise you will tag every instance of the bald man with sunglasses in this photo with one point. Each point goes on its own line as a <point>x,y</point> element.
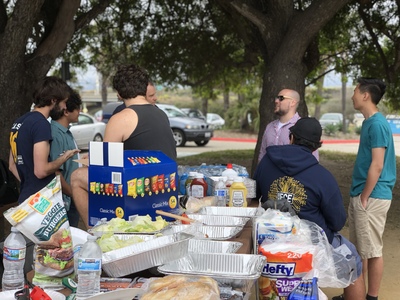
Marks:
<point>277,132</point>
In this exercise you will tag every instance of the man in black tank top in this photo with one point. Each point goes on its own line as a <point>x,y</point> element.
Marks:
<point>141,126</point>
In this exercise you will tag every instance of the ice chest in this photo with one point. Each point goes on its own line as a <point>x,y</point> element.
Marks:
<point>124,183</point>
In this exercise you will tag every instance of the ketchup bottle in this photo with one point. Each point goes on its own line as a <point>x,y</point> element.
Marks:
<point>198,186</point>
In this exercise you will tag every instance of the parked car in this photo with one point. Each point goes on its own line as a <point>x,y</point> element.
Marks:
<point>87,129</point>
<point>194,113</point>
<point>98,115</point>
<point>358,118</point>
<point>186,129</point>
<point>108,110</point>
<point>331,119</point>
<point>215,120</point>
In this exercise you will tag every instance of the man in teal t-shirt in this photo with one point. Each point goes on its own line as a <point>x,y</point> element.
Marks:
<point>62,141</point>
<point>373,179</point>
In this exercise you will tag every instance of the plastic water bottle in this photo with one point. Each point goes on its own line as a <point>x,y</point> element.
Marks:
<point>14,252</point>
<point>229,172</point>
<point>89,269</point>
<point>220,192</point>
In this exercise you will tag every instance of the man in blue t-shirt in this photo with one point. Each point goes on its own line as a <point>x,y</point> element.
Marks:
<point>30,139</point>
<point>373,179</point>
<point>62,141</point>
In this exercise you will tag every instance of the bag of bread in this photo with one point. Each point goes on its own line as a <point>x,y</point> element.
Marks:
<point>179,287</point>
<point>43,219</point>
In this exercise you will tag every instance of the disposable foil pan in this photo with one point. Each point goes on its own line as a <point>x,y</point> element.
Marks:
<point>230,211</point>
<point>236,270</point>
<point>94,231</point>
<point>145,255</point>
<point>209,246</point>
<point>219,220</point>
<point>208,232</point>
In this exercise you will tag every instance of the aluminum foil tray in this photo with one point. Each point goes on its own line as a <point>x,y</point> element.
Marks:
<point>236,270</point>
<point>219,220</point>
<point>142,256</point>
<point>144,237</point>
<point>208,232</point>
<point>230,211</point>
<point>209,246</point>
<point>93,231</point>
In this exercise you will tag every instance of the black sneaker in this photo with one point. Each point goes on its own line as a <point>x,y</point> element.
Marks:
<point>340,297</point>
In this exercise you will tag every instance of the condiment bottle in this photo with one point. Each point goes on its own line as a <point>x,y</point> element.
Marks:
<point>229,172</point>
<point>238,193</point>
<point>188,182</point>
<point>199,186</point>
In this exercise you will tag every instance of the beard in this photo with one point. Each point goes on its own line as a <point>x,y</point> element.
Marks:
<point>56,112</point>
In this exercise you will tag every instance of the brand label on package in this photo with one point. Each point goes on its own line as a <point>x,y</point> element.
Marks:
<point>89,264</point>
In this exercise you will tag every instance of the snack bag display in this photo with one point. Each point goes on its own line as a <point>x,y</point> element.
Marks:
<point>128,182</point>
<point>43,219</point>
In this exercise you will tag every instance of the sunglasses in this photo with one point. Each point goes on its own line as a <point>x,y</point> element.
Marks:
<point>281,98</point>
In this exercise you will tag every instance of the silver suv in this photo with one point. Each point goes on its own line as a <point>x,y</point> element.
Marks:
<point>186,129</point>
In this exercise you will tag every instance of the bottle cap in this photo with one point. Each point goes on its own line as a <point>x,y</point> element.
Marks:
<point>14,229</point>
<point>91,237</point>
<point>229,166</point>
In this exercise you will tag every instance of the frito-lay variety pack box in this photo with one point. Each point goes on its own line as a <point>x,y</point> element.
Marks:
<point>125,183</point>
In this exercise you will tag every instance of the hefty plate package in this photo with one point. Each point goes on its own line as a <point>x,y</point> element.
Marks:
<point>289,252</point>
<point>286,265</point>
<point>42,218</point>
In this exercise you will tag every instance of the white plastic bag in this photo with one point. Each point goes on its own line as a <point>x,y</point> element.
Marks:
<point>332,267</point>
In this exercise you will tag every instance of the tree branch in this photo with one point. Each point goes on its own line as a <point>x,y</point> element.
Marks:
<point>3,17</point>
<point>253,15</point>
<point>85,19</point>
<point>374,40</point>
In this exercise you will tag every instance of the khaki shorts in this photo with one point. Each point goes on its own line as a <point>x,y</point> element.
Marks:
<point>366,225</point>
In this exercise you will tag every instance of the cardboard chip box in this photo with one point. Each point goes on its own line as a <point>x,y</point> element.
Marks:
<point>124,183</point>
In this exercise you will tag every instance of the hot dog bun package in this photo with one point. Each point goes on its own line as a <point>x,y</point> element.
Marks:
<point>293,248</point>
<point>180,287</point>
<point>42,218</point>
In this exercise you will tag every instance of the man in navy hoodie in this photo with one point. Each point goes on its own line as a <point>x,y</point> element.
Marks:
<point>291,177</point>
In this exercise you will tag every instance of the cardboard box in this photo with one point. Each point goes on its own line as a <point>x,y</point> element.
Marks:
<point>124,183</point>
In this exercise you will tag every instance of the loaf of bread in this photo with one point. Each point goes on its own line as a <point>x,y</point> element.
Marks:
<point>177,287</point>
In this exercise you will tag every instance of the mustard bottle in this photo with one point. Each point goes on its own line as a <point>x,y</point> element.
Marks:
<point>238,193</point>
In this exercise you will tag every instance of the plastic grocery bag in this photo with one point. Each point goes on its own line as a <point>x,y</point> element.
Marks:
<point>43,219</point>
<point>333,268</point>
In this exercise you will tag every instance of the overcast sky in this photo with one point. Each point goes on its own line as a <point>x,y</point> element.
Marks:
<point>88,78</point>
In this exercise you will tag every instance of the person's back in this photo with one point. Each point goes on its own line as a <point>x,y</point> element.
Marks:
<point>140,127</point>
<point>30,138</point>
<point>27,130</point>
<point>292,175</point>
<point>152,131</point>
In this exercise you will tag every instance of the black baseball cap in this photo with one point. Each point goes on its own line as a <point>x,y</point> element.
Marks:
<point>307,128</point>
